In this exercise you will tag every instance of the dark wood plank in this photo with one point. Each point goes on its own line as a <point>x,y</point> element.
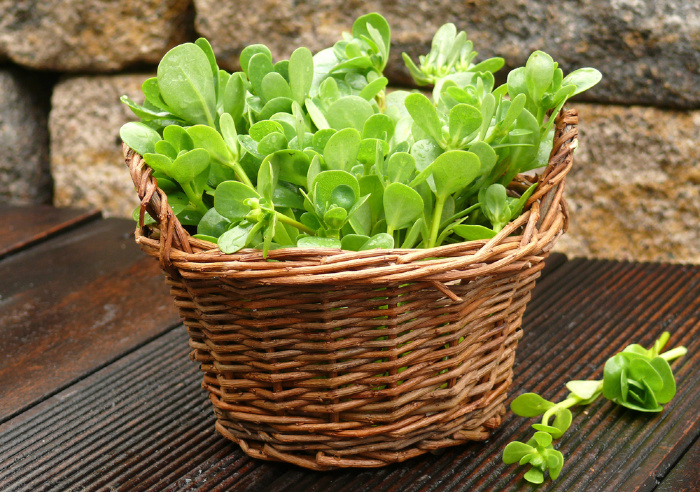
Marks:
<point>144,423</point>
<point>72,304</point>
<point>23,226</point>
<point>685,476</point>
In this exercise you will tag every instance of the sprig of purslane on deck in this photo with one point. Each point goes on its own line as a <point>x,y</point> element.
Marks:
<point>635,378</point>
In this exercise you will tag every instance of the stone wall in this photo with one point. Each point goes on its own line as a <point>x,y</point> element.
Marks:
<point>635,188</point>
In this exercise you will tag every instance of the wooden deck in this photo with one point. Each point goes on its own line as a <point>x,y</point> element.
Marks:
<point>97,391</point>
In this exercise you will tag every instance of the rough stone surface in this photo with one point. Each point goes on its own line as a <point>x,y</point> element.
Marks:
<point>91,35</point>
<point>634,190</point>
<point>648,51</point>
<point>24,166</point>
<point>86,158</point>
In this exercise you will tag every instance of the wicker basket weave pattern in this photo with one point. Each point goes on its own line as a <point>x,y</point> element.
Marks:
<point>325,358</point>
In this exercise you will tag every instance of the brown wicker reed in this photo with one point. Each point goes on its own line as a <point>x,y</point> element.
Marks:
<point>326,358</point>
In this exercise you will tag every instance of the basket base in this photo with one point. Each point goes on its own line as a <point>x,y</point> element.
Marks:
<point>327,452</point>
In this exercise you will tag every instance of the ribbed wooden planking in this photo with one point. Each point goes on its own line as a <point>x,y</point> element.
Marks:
<point>23,226</point>
<point>73,304</point>
<point>684,476</point>
<point>143,423</point>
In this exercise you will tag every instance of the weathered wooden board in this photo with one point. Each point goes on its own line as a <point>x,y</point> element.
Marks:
<point>71,305</point>
<point>23,226</point>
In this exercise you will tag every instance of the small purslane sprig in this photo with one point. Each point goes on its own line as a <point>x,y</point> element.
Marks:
<point>636,378</point>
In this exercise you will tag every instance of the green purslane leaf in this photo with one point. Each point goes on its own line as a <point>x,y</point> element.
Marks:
<point>250,51</point>
<point>400,167</point>
<point>353,242</point>
<point>318,242</point>
<point>275,86</point>
<point>349,112</point>
<point>326,182</point>
<point>425,115</point>
<point>451,171</point>
<point>583,79</point>
<point>585,390</point>
<point>341,149</point>
<point>539,71</point>
<point>212,224</point>
<point>378,126</point>
<point>301,74</point>
<point>140,137</point>
<point>402,206</point>
<point>464,121</point>
<point>189,165</point>
<point>474,232</point>
<point>530,405</point>
<point>231,197</point>
<point>259,66</point>
<point>236,238</point>
<point>187,85</point>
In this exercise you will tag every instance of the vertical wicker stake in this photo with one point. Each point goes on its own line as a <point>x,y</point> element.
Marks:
<point>325,358</point>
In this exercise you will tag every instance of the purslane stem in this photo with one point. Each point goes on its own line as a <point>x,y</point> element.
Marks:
<point>437,217</point>
<point>241,174</point>
<point>193,198</point>
<point>571,401</point>
<point>674,353</point>
<point>289,221</point>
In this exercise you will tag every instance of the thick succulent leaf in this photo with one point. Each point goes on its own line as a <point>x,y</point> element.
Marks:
<point>378,241</point>
<point>235,238</point>
<point>250,51</point>
<point>402,206</point>
<point>301,74</point>
<point>464,121</point>
<point>583,79</point>
<point>189,165</point>
<point>327,181</point>
<point>139,137</point>
<point>424,115</point>
<point>341,149</point>
<point>349,112</point>
<point>187,85</point>
<point>539,71</point>
<point>318,242</point>
<point>451,171</point>
<point>668,390</point>
<point>212,224</point>
<point>530,405</point>
<point>229,199</point>
<point>473,232</point>
<point>400,167</point>
<point>584,389</point>
<point>514,452</point>
<point>353,242</point>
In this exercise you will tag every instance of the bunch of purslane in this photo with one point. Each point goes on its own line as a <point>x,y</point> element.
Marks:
<point>313,151</point>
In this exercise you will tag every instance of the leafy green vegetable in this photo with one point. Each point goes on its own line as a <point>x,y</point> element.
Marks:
<point>635,378</point>
<point>312,152</point>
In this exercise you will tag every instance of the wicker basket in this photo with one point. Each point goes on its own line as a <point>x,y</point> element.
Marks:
<point>325,358</point>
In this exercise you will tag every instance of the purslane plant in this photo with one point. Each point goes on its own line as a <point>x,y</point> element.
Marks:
<point>313,152</point>
<point>635,378</point>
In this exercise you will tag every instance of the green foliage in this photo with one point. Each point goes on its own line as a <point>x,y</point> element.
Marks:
<point>635,378</point>
<point>312,152</point>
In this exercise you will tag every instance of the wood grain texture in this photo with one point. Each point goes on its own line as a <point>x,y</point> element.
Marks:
<point>24,226</point>
<point>71,305</point>
<point>685,476</point>
<point>143,422</point>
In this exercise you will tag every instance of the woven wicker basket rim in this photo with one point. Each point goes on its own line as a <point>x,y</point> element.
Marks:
<point>545,218</point>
